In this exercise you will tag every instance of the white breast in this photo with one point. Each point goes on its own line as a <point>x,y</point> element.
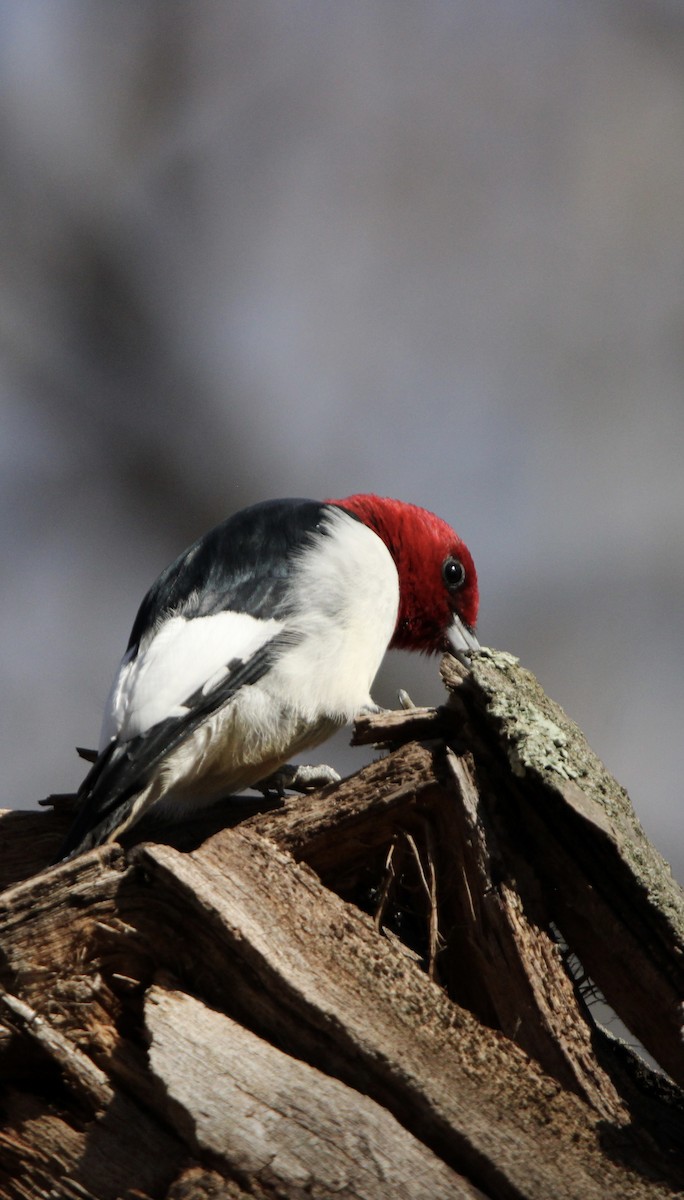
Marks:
<point>347,592</point>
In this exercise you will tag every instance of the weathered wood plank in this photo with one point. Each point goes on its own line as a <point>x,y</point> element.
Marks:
<point>607,887</point>
<point>500,964</point>
<point>46,931</point>
<point>28,842</point>
<point>396,726</point>
<point>273,935</point>
<point>500,943</point>
<point>339,829</point>
<point>277,1121</point>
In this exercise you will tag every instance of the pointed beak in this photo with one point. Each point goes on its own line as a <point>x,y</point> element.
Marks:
<point>461,641</point>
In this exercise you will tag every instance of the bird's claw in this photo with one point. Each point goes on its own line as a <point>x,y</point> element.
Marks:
<point>404,699</point>
<point>303,777</point>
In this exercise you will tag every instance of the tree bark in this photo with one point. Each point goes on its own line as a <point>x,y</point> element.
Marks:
<point>380,989</point>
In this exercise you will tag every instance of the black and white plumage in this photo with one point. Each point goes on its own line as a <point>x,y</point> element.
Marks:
<point>258,642</point>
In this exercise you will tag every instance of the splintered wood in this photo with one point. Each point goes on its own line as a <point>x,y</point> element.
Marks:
<point>363,992</point>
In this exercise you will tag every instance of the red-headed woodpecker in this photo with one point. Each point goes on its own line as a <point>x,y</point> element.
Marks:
<point>261,640</point>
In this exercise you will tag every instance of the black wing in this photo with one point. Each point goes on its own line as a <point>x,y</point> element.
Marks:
<point>244,564</point>
<point>125,768</point>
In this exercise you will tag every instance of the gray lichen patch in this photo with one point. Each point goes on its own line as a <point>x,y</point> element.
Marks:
<point>539,738</point>
<point>534,740</point>
<point>537,734</point>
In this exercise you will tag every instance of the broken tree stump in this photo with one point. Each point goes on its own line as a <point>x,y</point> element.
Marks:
<point>383,989</point>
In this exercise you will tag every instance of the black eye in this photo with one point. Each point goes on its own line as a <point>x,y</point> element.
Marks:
<point>453,574</point>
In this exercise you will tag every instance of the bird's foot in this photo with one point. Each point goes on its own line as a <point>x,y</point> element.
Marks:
<point>304,777</point>
<point>374,710</point>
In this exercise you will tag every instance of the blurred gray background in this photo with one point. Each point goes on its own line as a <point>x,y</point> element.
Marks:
<point>434,250</point>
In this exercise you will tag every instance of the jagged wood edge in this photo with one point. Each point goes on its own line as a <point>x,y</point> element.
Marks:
<point>607,887</point>
<point>252,933</point>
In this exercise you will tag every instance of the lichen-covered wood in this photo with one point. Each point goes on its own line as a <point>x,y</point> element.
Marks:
<point>363,992</point>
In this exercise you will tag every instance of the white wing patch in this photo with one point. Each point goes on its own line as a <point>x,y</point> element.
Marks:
<point>183,656</point>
